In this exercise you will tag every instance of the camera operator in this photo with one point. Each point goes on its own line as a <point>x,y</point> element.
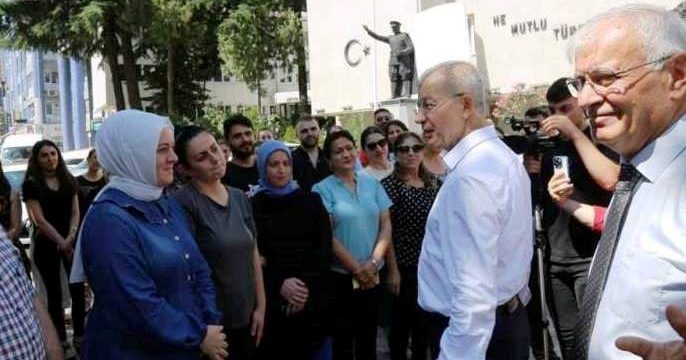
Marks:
<point>592,170</point>
<point>532,163</point>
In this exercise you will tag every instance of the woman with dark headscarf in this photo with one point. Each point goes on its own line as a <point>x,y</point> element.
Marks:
<point>154,297</point>
<point>294,237</point>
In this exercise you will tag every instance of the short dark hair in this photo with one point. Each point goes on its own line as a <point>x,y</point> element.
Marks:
<point>233,120</point>
<point>369,131</point>
<point>331,137</point>
<point>187,134</point>
<point>303,118</point>
<point>558,91</point>
<point>380,110</point>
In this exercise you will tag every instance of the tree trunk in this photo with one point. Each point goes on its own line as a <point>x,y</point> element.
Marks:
<point>170,79</point>
<point>110,51</point>
<point>259,98</point>
<point>130,71</point>
<point>302,74</point>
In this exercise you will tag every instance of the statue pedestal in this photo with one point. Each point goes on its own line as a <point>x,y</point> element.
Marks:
<point>403,109</point>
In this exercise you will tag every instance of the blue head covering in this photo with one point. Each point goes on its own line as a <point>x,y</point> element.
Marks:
<point>263,153</point>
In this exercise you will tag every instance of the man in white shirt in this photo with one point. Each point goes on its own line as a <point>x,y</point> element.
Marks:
<point>630,65</point>
<point>475,259</point>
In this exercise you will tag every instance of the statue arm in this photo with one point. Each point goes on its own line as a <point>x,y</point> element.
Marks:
<point>375,35</point>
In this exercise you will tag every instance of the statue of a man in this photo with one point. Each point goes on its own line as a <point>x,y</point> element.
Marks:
<point>401,62</point>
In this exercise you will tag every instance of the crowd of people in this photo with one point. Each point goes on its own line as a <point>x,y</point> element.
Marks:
<point>242,248</point>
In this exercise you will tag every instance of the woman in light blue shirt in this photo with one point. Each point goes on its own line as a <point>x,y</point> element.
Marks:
<point>359,210</point>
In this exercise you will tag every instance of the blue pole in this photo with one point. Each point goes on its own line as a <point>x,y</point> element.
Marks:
<point>39,86</point>
<point>65,103</point>
<point>78,104</point>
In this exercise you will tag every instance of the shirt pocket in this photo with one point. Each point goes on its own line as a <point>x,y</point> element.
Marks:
<point>639,295</point>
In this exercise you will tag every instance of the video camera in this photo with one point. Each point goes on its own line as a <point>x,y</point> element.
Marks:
<point>531,140</point>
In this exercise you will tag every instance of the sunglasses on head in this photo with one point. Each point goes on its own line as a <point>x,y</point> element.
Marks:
<point>406,148</point>
<point>373,145</point>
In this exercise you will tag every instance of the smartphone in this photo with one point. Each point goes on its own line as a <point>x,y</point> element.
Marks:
<point>561,163</point>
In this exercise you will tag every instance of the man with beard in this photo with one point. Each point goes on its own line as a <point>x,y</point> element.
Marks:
<point>241,171</point>
<point>309,165</point>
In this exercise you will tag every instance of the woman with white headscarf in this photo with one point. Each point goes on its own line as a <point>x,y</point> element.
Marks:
<point>154,298</point>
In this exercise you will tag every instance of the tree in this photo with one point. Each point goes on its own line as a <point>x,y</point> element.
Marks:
<point>299,6</point>
<point>80,29</point>
<point>257,38</point>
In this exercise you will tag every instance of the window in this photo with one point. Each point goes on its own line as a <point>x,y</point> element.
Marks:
<point>227,109</point>
<point>239,109</point>
<point>48,108</point>
<point>272,110</point>
<point>51,77</point>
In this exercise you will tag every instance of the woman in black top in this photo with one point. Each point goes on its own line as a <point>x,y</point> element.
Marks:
<point>294,237</point>
<point>50,195</point>
<point>90,183</point>
<point>413,190</point>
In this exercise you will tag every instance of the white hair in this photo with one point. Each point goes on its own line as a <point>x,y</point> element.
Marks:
<point>661,32</point>
<point>461,76</point>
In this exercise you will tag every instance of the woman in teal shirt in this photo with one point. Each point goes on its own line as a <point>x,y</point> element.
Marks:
<point>358,207</point>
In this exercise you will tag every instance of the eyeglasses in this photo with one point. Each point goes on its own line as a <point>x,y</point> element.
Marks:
<point>425,107</point>
<point>603,83</point>
<point>373,145</point>
<point>406,148</point>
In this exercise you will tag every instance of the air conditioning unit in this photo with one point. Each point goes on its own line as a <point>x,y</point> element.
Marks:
<point>52,93</point>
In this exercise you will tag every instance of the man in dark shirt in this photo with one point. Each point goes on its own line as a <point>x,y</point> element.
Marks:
<point>241,171</point>
<point>309,164</point>
<point>571,244</point>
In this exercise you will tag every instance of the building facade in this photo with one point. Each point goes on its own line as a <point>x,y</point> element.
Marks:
<point>513,43</point>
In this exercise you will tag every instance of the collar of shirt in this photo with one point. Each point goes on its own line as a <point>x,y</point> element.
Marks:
<point>469,142</point>
<point>654,158</point>
<point>153,211</point>
<point>340,181</point>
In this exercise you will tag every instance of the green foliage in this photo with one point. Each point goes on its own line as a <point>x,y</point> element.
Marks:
<point>213,120</point>
<point>356,122</point>
<point>189,95</point>
<point>516,103</point>
<point>256,38</point>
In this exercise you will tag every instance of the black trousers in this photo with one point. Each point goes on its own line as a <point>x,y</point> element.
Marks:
<point>509,341</point>
<point>241,343</point>
<point>408,320</point>
<point>357,311</point>
<point>48,262</point>
<point>568,282</point>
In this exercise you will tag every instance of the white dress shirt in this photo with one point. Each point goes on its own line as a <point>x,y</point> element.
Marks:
<point>478,245</point>
<point>648,271</point>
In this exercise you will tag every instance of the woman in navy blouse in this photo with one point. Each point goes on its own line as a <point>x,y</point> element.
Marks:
<point>154,298</point>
